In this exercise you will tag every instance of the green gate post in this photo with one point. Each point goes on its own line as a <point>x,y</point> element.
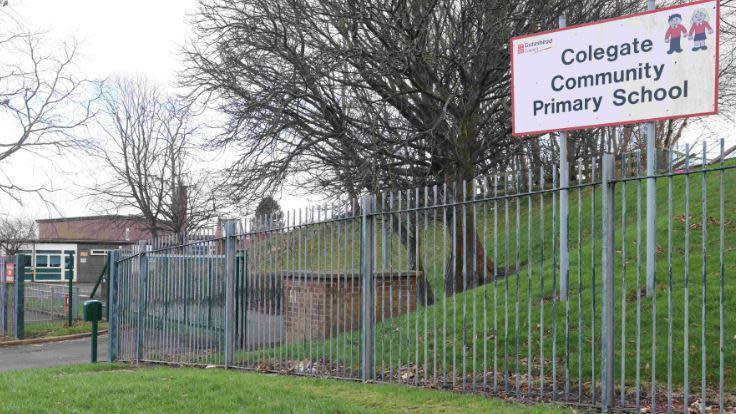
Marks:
<point>93,313</point>
<point>94,342</point>
<point>19,310</point>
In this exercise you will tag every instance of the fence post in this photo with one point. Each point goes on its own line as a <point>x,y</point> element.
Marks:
<point>367,205</point>
<point>607,316</point>
<point>3,300</point>
<point>230,252</point>
<point>19,311</point>
<point>70,288</point>
<point>142,282</point>
<point>112,306</point>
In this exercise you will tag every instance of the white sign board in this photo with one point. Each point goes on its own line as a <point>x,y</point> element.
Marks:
<point>656,65</point>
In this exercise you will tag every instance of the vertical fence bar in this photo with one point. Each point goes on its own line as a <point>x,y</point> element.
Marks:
<point>541,282</point>
<point>366,262</point>
<point>637,366</point>
<point>426,287</point>
<point>593,306</point>
<point>721,268</point>
<point>495,283</point>
<point>686,293</point>
<point>112,306</point>
<point>555,172</point>
<point>392,277</point>
<point>607,252</point>
<point>465,247</point>
<point>579,180</point>
<point>516,271</point>
<point>506,378</point>
<point>669,282</point>
<point>623,281</point>
<point>230,248</point>
<point>436,281</point>
<point>474,280</point>
<point>704,269</point>
<point>417,294</point>
<point>445,234</point>
<point>142,278</point>
<point>19,311</point>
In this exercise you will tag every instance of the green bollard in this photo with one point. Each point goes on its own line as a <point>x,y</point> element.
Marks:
<point>93,313</point>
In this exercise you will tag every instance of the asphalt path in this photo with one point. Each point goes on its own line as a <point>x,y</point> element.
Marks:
<point>51,354</point>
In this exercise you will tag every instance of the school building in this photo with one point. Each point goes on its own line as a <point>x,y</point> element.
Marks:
<point>77,247</point>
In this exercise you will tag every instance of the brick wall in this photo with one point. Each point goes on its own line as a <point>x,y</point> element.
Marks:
<point>331,303</point>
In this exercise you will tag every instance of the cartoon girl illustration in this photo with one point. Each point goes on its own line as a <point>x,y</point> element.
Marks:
<point>674,33</point>
<point>697,31</point>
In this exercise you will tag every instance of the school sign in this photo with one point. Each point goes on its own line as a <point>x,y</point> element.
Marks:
<point>650,66</point>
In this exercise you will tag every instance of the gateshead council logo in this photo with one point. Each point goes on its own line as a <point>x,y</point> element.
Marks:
<point>537,46</point>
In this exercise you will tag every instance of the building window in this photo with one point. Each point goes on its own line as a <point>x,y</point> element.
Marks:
<point>54,261</point>
<point>99,252</point>
<point>42,261</point>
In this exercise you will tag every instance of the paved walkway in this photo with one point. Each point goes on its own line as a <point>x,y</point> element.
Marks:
<point>51,354</point>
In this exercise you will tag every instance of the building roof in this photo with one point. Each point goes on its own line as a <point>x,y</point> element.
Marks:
<point>85,218</point>
<point>103,229</point>
<point>78,241</point>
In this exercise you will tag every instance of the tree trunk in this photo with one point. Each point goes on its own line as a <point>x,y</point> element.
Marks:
<point>465,266</point>
<point>411,243</point>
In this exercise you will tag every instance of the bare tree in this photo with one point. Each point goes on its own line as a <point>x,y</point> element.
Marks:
<point>14,233</point>
<point>370,95</point>
<point>147,146</point>
<point>43,104</point>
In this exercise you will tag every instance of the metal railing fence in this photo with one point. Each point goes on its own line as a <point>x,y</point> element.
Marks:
<point>460,286</point>
<point>25,305</point>
<point>46,302</point>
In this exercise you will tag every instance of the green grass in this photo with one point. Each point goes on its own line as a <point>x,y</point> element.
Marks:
<point>54,329</point>
<point>122,389</point>
<point>469,339</point>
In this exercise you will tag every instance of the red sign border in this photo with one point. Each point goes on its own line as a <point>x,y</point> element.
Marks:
<point>637,121</point>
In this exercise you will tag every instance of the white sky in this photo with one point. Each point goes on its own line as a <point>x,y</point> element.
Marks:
<point>129,38</point>
<point>133,37</point>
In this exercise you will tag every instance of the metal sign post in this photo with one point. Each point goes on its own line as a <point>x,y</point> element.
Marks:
<point>564,207</point>
<point>651,198</point>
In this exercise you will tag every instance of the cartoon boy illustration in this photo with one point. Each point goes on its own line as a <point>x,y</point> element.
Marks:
<point>697,31</point>
<point>674,34</point>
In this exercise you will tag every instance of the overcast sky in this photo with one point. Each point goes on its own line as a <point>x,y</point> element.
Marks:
<point>132,37</point>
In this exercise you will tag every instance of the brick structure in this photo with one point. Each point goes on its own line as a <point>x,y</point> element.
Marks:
<point>330,303</point>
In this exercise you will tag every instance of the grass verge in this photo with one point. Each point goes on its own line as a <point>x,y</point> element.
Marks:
<point>120,388</point>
